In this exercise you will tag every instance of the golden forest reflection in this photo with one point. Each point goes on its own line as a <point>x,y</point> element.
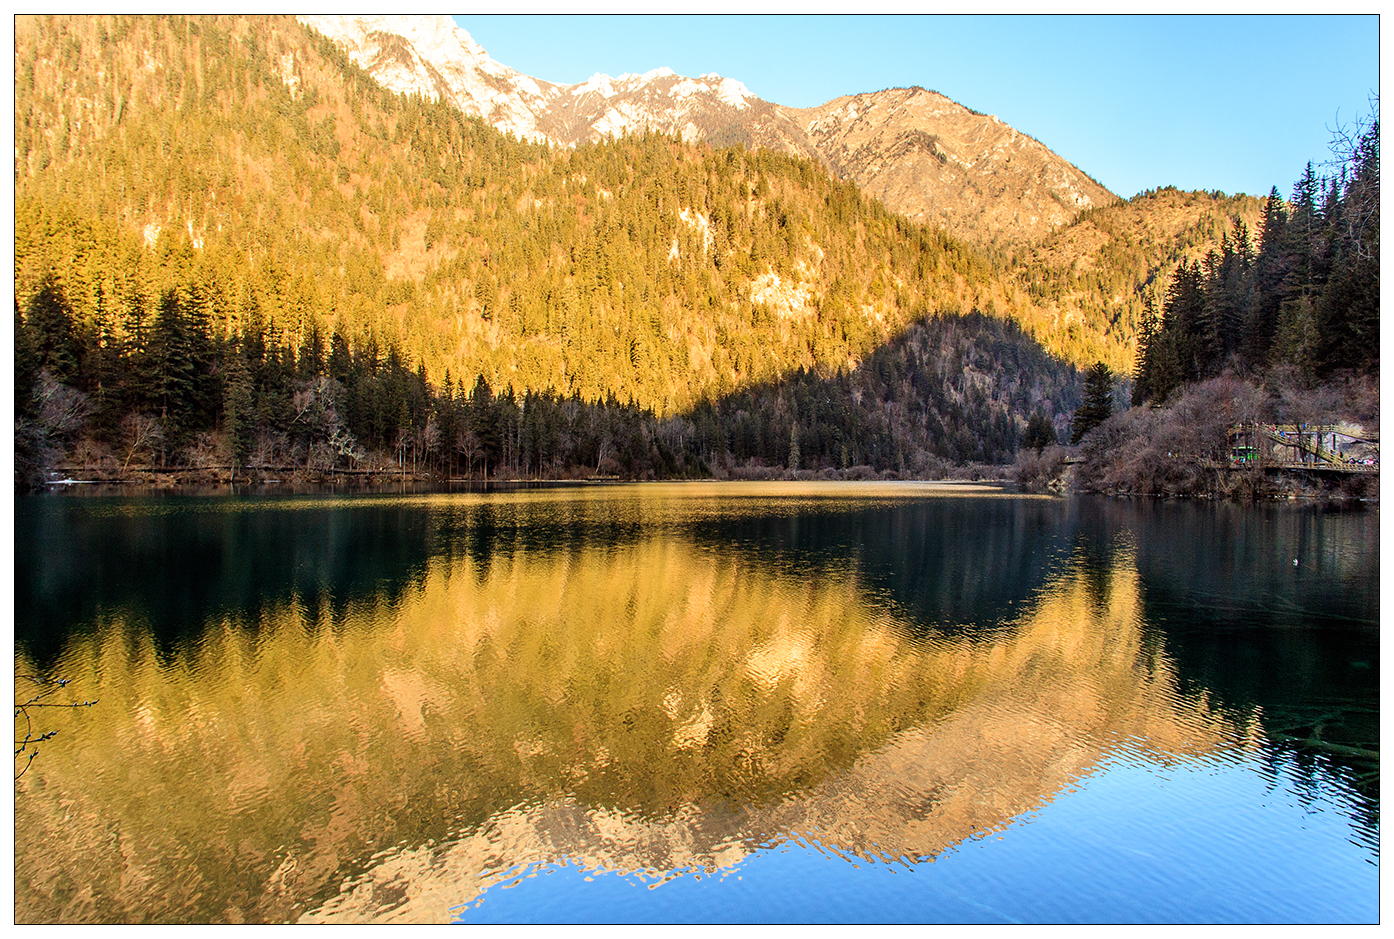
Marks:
<point>649,707</point>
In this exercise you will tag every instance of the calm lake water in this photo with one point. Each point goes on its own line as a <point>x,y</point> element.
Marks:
<point>855,702</point>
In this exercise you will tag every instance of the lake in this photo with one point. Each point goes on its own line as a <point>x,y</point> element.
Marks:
<point>700,702</point>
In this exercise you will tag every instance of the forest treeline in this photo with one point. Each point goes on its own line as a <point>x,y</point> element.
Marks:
<point>1305,296</point>
<point>177,392</point>
<point>228,238</point>
<point>1278,326</point>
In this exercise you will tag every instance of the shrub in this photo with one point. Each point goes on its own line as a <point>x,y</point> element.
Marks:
<point>1040,470</point>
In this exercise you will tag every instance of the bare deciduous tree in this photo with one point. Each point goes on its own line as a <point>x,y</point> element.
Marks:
<point>62,409</point>
<point>1355,155</point>
<point>141,432</point>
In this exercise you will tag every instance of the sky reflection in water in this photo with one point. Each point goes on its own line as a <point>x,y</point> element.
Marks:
<point>386,710</point>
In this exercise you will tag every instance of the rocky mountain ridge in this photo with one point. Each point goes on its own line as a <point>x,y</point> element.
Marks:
<point>924,156</point>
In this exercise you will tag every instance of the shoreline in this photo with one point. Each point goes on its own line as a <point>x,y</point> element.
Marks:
<point>211,480</point>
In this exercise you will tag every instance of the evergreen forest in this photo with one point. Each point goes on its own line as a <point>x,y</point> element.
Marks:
<point>1278,327</point>
<point>233,248</point>
<point>1304,297</point>
<point>234,251</point>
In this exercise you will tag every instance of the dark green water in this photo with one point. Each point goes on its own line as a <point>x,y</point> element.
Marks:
<point>696,703</point>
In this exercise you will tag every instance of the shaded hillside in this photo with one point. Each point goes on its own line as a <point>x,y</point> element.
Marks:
<point>948,390</point>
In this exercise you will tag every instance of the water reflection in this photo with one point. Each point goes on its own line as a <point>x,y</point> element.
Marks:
<point>651,706</point>
<point>379,711</point>
<point>1294,644</point>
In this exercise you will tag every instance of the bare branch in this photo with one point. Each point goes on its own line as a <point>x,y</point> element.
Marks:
<point>29,743</point>
<point>1355,159</point>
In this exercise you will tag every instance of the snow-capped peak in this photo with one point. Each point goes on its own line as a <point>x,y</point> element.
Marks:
<point>432,36</point>
<point>732,92</point>
<point>661,72</point>
<point>599,83</point>
<point>436,58</point>
<point>442,60</point>
<point>605,86</point>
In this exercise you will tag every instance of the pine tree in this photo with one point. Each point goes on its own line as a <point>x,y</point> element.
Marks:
<point>173,369</point>
<point>1146,361</point>
<point>1304,230</point>
<point>52,334</point>
<point>1184,318</point>
<point>483,422</point>
<point>26,368</point>
<point>1040,433</point>
<point>1265,294</point>
<point>1098,402</point>
<point>238,409</point>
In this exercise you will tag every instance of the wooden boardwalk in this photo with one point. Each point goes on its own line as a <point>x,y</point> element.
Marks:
<point>1323,448</point>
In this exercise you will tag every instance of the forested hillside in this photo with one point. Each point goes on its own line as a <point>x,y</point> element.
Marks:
<point>1096,276</point>
<point>229,241</point>
<point>293,190</point>
<point>1283,329</point>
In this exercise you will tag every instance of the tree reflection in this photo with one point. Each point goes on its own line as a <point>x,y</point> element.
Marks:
<point>651,706</point>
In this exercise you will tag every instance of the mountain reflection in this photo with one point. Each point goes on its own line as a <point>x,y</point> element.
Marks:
<point>626,697</point>
<point>181,565</point>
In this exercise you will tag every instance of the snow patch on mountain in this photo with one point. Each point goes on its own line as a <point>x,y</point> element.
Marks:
<point>613,123</point>
<point>288,75</point>
<point>733,93</point>
<point>598,84</point>
<point>432,57</point>
<point>650,75</point>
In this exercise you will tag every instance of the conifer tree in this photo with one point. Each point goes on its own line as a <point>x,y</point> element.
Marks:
<point>238,410</point>
<point>1146,361</point>
<point>51,333</point>
<point>1098,402</point>
<point>1040,433</point>
<point>26,367</point>
<point>1265,294</point>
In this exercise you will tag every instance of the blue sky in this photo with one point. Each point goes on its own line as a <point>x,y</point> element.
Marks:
<point>1235,103</point>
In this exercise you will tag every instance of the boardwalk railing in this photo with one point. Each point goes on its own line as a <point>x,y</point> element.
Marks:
<point>1300,447</point>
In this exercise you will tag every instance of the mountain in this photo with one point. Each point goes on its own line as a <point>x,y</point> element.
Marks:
<point>432,57</point>
<point>921,154</point>
<point>250,167</point>
<point>1078,261</point>
<point>940,163</point>
<point>219,220</point>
